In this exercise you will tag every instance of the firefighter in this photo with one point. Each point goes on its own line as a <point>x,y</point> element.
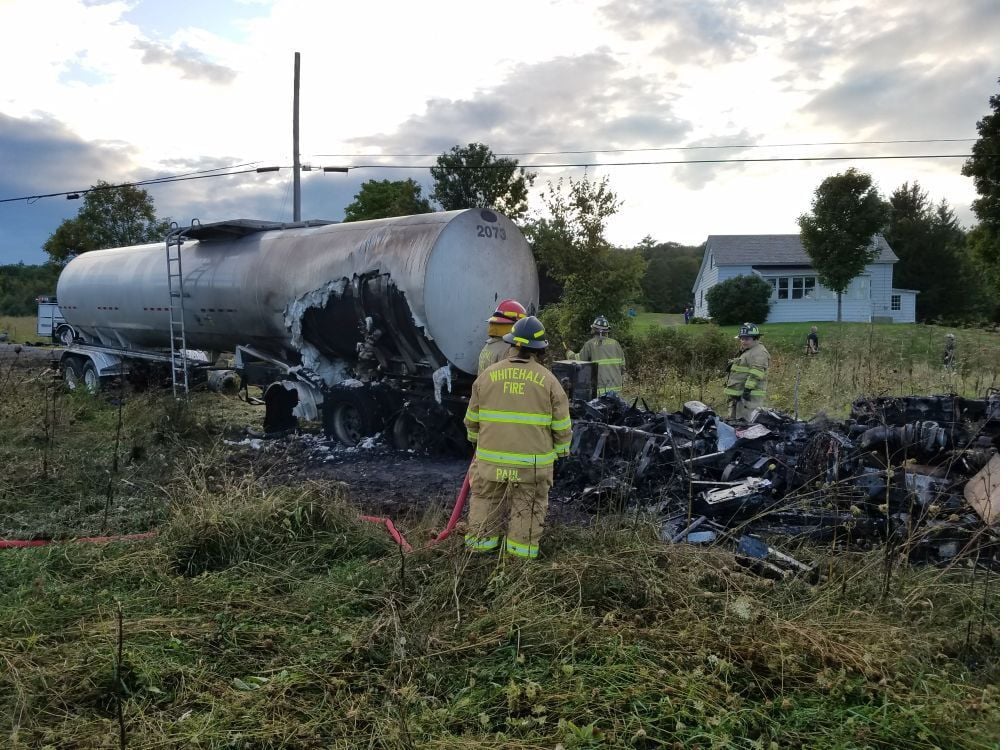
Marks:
<point>747,374</point>
<point>518,418</point>
<point>607,353</point>
<point>495,349</point>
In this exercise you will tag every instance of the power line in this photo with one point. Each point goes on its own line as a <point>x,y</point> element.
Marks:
<point>670,148</point>
<point>670,161</point>
<point>138,183</point>
<point>585,165</point>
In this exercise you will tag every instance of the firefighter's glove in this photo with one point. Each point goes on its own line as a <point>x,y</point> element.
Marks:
<point>746,394</point>
<point>728,366</point>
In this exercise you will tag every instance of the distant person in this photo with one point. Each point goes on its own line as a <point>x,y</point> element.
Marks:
<point>607,353</point>
<point>687,311</point>
<point>948,356</point>
<point>506,314</point>
<point>812,341</point>
<point>747,375</point>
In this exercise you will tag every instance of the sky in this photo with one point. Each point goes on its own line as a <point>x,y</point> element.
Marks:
<point>132,90</point>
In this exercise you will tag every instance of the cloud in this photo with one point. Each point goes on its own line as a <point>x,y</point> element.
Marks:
<point>192,63</point>
<point>576,103</point>
<point>697,32</point>
<point>914,100</point>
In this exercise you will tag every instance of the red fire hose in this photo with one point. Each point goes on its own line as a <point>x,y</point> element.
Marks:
<point>17,543</point>
<point>399,539</point>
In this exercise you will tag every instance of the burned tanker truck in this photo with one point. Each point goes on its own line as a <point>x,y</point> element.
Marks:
<point>365,326</point>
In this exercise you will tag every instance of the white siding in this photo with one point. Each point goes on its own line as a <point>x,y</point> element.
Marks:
<point>822,305</point>
<point>908,306</point>
<point>708,277</point>
<point>881,289</point>
<point>869,294</point>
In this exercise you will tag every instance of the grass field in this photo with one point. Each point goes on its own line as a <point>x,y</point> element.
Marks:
<point>645,320</point>
<point>19,329</point>
<point>855,359</point>
<point>265,615</point>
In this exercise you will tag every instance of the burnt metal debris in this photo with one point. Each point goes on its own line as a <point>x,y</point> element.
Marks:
<point>892,474</point>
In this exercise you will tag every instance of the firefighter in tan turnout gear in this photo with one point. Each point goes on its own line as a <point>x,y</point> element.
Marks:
<point>747,374</point>
<point>607,353</point>
<point>495,349</point>
<point>518,418</point>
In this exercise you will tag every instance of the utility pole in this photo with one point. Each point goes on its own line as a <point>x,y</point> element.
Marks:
<point>297,157</point>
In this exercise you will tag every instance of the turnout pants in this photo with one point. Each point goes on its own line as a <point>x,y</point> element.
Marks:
<point>511,513</point>
<point>743,408</point>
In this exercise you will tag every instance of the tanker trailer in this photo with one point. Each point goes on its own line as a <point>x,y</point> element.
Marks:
<point>368,325</point>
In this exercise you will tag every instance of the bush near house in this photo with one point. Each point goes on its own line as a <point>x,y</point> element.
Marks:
<point>743,299</point>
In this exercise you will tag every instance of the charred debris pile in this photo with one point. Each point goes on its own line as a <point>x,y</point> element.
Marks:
<point>913,473</point>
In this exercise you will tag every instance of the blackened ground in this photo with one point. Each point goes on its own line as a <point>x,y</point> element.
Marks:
<point>380,480</point>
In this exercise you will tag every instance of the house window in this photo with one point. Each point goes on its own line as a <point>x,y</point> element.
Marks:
<point>772,281</point>
<point>782,287</point>
<point>712,261</point>
<point>896,302</point>
<point>802,286</point>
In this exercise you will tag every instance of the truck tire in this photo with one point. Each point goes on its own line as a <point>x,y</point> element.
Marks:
<point>408,433</point>
<point>73,373</point>
<point>64,334</point>
<point>351,415</point>
<point>90,378</point>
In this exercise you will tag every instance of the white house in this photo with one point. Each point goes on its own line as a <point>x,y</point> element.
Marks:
<point>797,294</point>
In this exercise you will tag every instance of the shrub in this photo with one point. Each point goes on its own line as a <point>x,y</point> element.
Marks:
<point>693,357</point>
<point>743,299</point>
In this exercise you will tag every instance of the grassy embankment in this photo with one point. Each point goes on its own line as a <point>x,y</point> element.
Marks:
<point>265,616</point>
<point>856,359</point>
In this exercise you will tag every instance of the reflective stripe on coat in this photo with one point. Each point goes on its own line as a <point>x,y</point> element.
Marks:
<point>519,419</point>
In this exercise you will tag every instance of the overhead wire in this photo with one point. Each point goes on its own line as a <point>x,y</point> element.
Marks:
<point>210,173</point>
<point>671,148</point>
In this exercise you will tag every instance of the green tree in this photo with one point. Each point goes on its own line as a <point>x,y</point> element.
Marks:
<point>985,169</point>
<point>21,284</point>
<point>847,212</point>
<point>472,177</point>
<point>111,216</point>
<point>667,284</point>
<point>380,199</point>
<point>930,245</point>
<point>570,246</point>
<point>742,299</point>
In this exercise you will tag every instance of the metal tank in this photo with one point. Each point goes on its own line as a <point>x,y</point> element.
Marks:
<point>431,279</point>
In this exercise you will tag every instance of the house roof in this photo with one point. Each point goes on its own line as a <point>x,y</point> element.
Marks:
<point>772,250</point>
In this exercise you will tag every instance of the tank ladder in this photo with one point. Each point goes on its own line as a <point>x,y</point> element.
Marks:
<point>176,312</point>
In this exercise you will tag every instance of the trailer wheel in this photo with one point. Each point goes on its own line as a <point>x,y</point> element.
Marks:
<point>90,378</point>
<point>409,434</point>
<point>73,373</point>
<point>351,416</point>
<point>64,334</point>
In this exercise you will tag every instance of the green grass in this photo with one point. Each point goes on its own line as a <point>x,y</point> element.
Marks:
<point>19,329</point>
<point>645,320</point>
<point>264,615</point>
<point>269,618</point>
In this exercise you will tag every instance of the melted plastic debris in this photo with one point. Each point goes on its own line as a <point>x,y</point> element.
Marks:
<point>442,378</point>
<point>253,443</point>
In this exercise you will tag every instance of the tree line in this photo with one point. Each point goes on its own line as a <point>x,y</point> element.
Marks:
<point>582,274</point>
